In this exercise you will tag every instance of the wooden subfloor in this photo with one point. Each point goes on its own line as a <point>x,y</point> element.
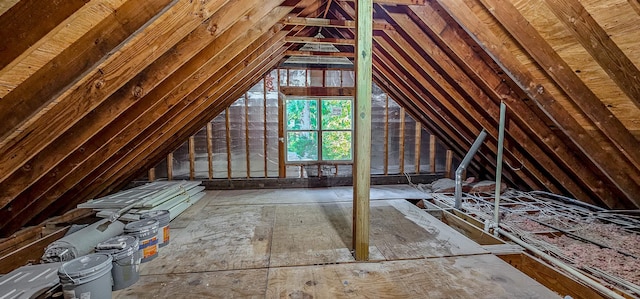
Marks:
<point>294,243</point>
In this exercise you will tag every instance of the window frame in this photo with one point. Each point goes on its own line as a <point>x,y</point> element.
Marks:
<point>319,130</point>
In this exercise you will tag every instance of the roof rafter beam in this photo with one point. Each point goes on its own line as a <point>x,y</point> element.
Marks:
<point>609,165</point>
<point>601,47</point>
<point>527,130</point>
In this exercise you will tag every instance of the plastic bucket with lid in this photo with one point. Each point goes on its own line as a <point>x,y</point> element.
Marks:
<point>163,217</point>
<point>126,260</point>
<point>88,276</point>
<point>147,231</point>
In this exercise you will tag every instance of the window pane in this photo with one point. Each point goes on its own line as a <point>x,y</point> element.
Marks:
<point>336,145</point>
<point>302,115</point>
<point>332,78</point>
<point>336,114</point>
<point>302,146</point>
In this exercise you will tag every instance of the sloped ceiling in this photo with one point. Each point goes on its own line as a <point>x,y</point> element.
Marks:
<point>94,92</point>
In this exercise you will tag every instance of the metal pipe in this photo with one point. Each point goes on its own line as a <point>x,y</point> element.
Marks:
<point>496,202</point>
<point>463,165</point>
<point>587,280</point>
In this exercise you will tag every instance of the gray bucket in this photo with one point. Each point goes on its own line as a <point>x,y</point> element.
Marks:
<point>126,260</point>
<point>147,232</point>
<point>88,276</point>
<point>163,217</point>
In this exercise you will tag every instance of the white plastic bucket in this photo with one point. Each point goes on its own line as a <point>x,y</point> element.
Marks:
<point>163,217</point>
<point>126,260</point>
<point>88,276</point>
<point>147,232</point>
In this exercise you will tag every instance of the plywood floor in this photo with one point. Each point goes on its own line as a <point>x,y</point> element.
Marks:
<point>294,243</point>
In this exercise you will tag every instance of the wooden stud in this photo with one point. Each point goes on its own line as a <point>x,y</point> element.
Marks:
<point>416,147</point>
<point>152,174</point>
<point>264,128</point>
<point>210,149</point>
<point>246,133</point>
<point>192,158</point>
<point>448,164</point>
<point>386,134</point>
<point>362,140</point>
<point>432,153</point>
<point>401,142</point>
<point>227,123</point>
<point>282,140</point>
<point>170,166</point>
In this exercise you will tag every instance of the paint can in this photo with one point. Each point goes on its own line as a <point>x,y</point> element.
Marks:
<point>88,276</point>
<point>147,232</point>
<point>126,260</point>
<point>163,217</point>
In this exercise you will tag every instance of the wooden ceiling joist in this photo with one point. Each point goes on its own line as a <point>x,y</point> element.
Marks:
<point>318,53</point>
<point>334,23</point>
<point>319,40</point>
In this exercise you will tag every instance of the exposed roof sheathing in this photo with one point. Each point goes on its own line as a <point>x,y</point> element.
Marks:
<point>95,92</point>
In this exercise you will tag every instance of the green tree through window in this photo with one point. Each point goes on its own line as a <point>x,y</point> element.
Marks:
<point>331,141</point>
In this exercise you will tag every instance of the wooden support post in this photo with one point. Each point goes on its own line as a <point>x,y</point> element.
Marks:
<point>227,124</point>
<point>264,118</point>
<point>210,148</point>
<point>386,135</point>
<point>282,150</point>
<point>362,165</point>
<point>152,174</point>
<point>170,166</point>
<point>449,160</point>
<point>246,134</point>
<point>432,153</point>
<point>401,143</point>
<point>192,157</point>
<point>416,148</point>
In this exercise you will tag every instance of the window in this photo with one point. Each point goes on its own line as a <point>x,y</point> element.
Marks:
<point>319,129</point>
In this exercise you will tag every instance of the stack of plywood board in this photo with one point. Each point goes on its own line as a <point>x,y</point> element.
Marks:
<point>174,196</point>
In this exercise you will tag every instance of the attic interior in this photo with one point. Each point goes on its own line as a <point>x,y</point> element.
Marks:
<point>266,105</point>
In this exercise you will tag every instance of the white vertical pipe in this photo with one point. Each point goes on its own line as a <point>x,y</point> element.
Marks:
<point>496,202</point>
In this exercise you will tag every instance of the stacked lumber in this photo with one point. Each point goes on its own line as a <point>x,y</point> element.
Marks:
<point>173,196</point>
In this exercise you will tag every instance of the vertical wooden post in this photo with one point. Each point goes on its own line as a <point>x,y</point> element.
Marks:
<point>401,143</point>
<point>448,164</point>
<point>416,148</point>
<point>170,166</point>
<point>210,148</point>
<point>152,174</point>
<point>264,128</point>
<point>227,123</point>
<point>192,158</point>
<point>386,135</point>
<point>362,167</point>
<point>246,133</point>
<point>432,153</point>
<point>282,147</point>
